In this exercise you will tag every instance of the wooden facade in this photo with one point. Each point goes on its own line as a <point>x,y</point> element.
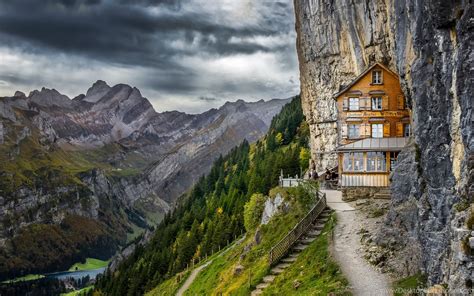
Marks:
<point>371,107</point>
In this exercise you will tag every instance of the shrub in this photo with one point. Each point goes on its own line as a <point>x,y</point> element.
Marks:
<point>253,211</point>
<point>304,157</point>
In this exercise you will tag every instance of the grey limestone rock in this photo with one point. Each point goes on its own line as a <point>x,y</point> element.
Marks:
<point>429,43</point>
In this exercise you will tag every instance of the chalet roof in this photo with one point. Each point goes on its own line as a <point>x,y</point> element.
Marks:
<point>375,144</point>
<point>362,75</point>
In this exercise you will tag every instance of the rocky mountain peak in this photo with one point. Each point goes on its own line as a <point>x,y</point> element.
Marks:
<point>19,94</point>
<point>97,91</point>
<point>49,98</point>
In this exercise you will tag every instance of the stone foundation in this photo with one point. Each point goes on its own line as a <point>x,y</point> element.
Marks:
<point>355,193</point>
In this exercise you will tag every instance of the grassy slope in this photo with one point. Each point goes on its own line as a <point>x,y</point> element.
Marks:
<point>219,276</point>
<point>314,270</point>
<point>83,291</point>
<point>90,263</point>
<point>170,286</point>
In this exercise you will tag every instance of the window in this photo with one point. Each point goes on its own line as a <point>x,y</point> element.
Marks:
<point>376,162</point>
<point>377,130</point>
<point>353,131</point>
<point>377,103</point>
<point>353,162</point>
<point>376,77</point>
<point>354,104</point>
<point>406,130</point>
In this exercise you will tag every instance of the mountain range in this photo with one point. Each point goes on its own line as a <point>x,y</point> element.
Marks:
<point>87,175</point>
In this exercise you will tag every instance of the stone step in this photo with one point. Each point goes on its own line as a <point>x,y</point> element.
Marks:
<point>283,265</point>
<point>276,271</point>
<point>300,247</point>
<point>289,259</point>
<point>321,221</point>
<point>318,226</point>
<point>304,243</point>
<point>269,279</point>
<point>313,233</point>
<point>256,292</point>
<point>308,240</point>
<point>262,286</point>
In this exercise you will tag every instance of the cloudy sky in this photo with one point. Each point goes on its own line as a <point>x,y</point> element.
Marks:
<point>189,55</point>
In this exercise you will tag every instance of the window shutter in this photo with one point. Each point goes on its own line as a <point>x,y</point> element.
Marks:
<point>367,103</point>
<point>345,104</point>
<point>362,103</point>
<point>385,103</point>
<point>401,102</point>
<point>365,130</point>
<point>344,131</point>
<point>399,129</point>
<point>386,130</point>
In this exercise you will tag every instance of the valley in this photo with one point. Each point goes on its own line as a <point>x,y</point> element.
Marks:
<point>90,175</point>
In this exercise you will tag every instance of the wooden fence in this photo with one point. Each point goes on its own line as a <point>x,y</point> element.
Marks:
<point>280,250</point>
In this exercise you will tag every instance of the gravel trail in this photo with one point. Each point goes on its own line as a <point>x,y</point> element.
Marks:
<point>363,278</point>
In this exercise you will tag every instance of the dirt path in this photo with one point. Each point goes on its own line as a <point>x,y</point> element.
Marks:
<point>197,270</point>
<point>363,278</point>
<point>191,278</point>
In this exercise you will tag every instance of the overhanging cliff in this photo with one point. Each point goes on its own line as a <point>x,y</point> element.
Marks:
<point>429,43</point>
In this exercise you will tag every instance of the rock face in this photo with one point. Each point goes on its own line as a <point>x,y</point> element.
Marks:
<point>272,206</point>
<point>428,44</point>
<point>337,40</point>
<point>109,156</point>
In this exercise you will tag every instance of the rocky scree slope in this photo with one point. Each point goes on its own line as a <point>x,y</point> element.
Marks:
<point>105,156</point>
<point>429,43</point>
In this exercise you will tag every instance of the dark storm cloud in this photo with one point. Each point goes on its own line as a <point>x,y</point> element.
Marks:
<point>154,34</point>
<point>122,33</point>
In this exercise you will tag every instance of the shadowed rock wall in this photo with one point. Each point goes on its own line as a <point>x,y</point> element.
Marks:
<point>429,43</point>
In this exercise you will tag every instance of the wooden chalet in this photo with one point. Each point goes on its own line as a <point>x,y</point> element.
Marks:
<point>373,126</point>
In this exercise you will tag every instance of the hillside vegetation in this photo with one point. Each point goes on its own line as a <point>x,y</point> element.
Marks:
<point>54,178</point>
<point>212,213</point>
<point>238,271</point>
